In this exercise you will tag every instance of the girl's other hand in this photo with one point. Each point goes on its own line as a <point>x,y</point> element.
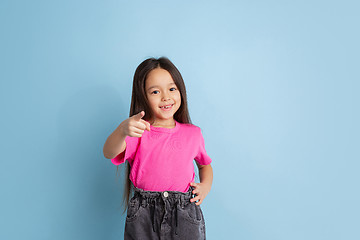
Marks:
<point>134,126</point>
<point>201,190</point>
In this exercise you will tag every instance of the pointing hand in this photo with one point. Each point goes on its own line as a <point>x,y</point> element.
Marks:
<point>135,126</point>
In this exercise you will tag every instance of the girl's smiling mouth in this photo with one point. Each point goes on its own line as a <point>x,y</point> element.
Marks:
<point>167,107</point>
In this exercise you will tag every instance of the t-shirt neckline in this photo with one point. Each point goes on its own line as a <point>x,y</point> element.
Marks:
<point>166,130</point>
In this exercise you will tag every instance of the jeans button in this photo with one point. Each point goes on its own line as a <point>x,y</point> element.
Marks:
<point>166,194</point>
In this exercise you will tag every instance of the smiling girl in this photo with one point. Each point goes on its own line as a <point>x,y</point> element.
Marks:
<point>159,143</point>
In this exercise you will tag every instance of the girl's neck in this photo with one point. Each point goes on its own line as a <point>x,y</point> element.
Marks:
<point>164,124</point>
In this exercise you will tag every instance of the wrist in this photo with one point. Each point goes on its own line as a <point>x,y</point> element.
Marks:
<point>121,131</point>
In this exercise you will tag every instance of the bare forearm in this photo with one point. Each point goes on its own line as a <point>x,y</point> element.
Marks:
<point>206,175</point>
<point>115,143</point>
<point>203,188</point>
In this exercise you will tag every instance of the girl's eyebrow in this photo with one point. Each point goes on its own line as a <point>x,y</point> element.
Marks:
<point>155,86</point>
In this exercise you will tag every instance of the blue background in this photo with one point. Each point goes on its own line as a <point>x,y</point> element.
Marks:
<point>274,85</point>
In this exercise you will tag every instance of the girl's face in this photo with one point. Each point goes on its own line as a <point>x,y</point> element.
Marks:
<point>161,91</point>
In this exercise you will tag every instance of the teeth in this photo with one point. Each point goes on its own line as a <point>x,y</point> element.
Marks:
<point>167,106</point>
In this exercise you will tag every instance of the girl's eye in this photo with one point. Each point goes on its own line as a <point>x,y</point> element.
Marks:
<point>170,88</point>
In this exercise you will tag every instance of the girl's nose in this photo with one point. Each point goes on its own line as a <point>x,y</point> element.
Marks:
<point>165,97</point>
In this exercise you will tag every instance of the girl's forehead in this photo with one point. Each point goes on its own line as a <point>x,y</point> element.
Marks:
<point>159,76</point>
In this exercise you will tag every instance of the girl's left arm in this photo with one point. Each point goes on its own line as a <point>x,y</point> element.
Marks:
<point>203,188</point>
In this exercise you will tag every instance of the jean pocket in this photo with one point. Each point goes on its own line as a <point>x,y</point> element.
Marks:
<point>191,213</point>
<point>133,209</point>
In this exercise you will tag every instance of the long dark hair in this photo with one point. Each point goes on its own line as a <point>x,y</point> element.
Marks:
<point>139,103</point>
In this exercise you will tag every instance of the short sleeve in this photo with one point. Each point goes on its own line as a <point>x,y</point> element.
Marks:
<point>202,157</point>
<point>129,152</point>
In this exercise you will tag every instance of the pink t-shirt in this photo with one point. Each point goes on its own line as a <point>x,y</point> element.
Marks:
<point>162,159</point>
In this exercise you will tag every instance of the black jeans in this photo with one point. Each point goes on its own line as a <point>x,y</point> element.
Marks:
<point>164,215</point>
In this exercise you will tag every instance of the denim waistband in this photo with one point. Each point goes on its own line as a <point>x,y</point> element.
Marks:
<point>170,194</point>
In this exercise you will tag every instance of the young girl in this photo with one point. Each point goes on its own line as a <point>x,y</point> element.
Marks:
<point>160,143</point>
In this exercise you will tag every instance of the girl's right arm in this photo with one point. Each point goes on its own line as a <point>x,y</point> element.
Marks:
<point>115,143</point>
<point>134,126</point>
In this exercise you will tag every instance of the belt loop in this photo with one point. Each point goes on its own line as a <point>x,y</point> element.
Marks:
<point>144,202</point>
<point>182,201</point>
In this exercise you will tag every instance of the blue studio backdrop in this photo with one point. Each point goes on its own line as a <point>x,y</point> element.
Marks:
<point>274,86</point>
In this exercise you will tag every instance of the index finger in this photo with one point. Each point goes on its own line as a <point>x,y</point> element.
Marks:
<point>147,124</point>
